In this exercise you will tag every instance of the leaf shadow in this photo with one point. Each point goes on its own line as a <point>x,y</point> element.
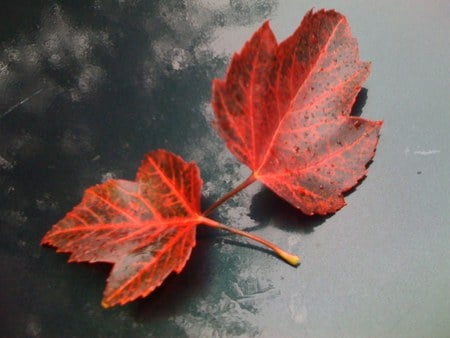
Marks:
<point>248,245</point>
<point>267,207</point>
<point>360,102</point>
<point>165,301</point>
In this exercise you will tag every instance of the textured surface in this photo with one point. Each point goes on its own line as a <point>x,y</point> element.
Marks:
<point>145,228</point>
<point>121,78</point>
<point>283,110</point>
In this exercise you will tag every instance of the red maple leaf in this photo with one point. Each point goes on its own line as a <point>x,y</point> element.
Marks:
<point>146,227</point>
<point>284,111</point>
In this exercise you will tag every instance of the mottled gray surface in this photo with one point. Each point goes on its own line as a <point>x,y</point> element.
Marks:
<point>86,90</point>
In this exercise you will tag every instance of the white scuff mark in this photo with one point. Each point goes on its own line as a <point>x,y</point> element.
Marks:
<point>294,242</point>
<point>427,152</point>
<point>179,59</point>
<point>21,102</point>
<point>175,58</point>
<point>218,317</point>
<point>14,217</point>
<point>5,164</point>
<point>297,308</point>
<point>108,176</point>
<point>33,326</point>
<point>46,202</point>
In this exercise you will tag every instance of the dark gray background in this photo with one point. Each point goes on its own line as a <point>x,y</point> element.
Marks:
<point>86,90</point>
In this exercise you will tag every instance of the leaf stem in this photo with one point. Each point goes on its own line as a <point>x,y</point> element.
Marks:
<point>249,180</point>
<point>286,256</point>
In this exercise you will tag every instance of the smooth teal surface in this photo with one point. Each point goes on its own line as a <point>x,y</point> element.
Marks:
<point>86,90</point>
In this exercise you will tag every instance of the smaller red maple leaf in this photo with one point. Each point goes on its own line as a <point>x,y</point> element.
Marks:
<point>145,228</point>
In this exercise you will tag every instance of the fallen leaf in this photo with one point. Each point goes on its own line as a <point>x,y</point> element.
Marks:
<point>146,228</point>
<point>284,111</point>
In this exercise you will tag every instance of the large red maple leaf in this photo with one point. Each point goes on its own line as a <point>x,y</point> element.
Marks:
<point>284,111</point>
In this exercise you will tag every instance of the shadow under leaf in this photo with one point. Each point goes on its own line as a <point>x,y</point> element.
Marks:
<point>360,102</point>
<point>268,207</point>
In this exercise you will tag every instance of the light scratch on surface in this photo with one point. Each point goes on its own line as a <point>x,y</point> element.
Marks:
<point>426,152</point>
<point>25,100</point>
<point>5,164</point>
